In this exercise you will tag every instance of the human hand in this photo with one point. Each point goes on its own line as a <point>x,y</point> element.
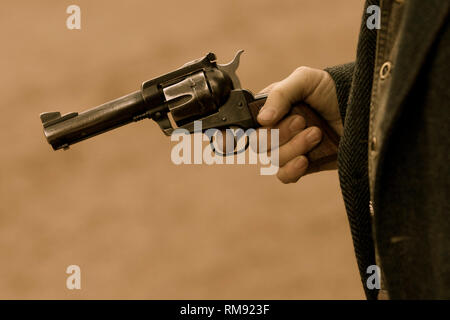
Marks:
<point>315,88</point>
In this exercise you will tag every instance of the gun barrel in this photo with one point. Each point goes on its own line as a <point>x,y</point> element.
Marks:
<point>63,131</point>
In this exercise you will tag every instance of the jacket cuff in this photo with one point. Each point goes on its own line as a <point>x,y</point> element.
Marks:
<point>342,76</point>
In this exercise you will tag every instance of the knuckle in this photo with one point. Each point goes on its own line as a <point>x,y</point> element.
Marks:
<point>302,69</point>
<point>280,93</point>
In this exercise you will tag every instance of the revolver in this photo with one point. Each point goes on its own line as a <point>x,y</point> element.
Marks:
<point>200,90</point>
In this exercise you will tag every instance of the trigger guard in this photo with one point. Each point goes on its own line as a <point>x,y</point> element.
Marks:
<point>239,134</point>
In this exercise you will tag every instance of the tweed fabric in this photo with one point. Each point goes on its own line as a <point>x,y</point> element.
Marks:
<point>412,184</point>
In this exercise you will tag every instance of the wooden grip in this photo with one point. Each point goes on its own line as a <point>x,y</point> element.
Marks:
<point>326,151</point>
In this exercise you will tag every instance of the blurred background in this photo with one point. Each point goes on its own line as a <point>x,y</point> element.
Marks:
<point>139,226</point>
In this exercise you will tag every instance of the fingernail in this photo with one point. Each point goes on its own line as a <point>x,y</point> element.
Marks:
<point>314,135</point>
<point>266,114</point>
<point>300,163</point>
<point>296,124</point>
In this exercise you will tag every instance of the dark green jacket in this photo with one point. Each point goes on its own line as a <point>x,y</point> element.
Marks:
<point>412,182</point>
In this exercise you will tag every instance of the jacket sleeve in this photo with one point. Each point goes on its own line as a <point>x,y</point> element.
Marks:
<point>342,76</point>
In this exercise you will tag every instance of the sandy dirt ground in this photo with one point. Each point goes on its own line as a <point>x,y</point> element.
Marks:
<point>139,226</point>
